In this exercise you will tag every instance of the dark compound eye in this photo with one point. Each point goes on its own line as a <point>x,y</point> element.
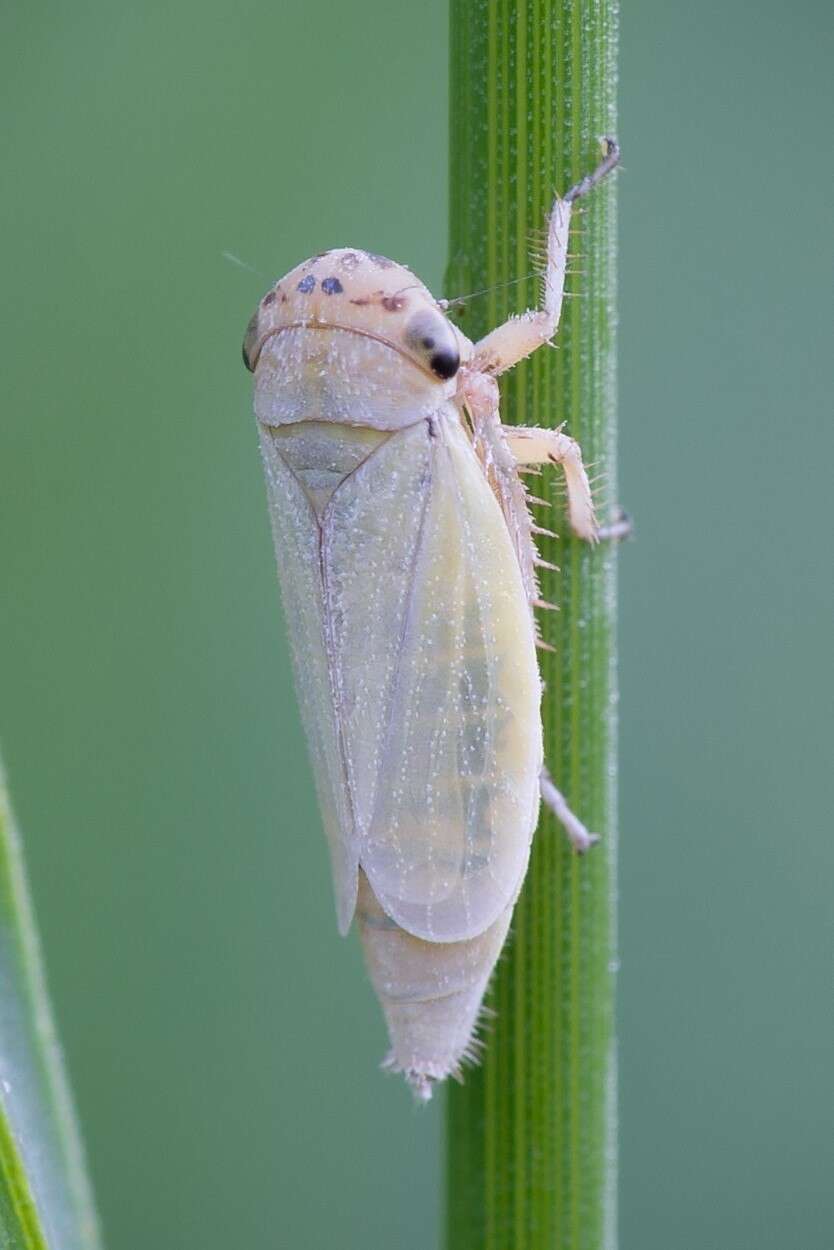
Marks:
<point>331,286</point>
<point>250,340</point>
<point>306,285</point>
<point>432,338</point>
<point>445,364</point>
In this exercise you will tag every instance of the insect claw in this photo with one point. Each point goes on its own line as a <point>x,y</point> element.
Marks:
<point>621,527</point>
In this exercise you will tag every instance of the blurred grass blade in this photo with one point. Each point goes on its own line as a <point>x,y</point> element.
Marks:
<point>531,1145</point>
<point>45,1197</point>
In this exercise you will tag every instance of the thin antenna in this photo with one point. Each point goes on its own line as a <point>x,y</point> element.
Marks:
<point>242,264</point>
<point>445,304</point>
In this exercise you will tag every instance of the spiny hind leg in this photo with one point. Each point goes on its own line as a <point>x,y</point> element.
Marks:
<point>578,836</point>
<point>504,346</point>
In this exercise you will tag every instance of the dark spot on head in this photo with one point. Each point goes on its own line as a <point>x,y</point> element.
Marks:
<point>283,298</point>
<point>394,303</point>
<point>331,286</point>
<point>306,285</point>
<point>269,298</point>
<point>445,364</point>
<point>349,261</point>
<point>361,303</point>
<point>428,342</point>
<point>382,261</point>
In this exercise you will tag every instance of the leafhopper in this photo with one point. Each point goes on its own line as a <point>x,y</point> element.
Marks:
<point>409,578</point>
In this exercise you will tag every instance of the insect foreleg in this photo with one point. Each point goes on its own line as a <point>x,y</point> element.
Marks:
<point>580,839</point>
<point>537,446</point>
<point>520,336</point>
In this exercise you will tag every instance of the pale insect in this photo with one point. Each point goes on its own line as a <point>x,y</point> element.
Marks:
<point>408,576</point>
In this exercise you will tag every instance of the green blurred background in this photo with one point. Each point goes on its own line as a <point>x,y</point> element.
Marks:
<point>222,1041</point>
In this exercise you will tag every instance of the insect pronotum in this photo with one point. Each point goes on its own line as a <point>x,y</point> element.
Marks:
<point>408,574</point>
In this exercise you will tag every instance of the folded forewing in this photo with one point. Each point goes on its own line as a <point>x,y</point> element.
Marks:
<point>437,691</point>
<point>297,544</point>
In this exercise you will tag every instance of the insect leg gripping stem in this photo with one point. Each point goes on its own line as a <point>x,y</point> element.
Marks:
<point>610,161</point>
<point>579,837</point>
<point>531,445</point>
<point>517,338</point>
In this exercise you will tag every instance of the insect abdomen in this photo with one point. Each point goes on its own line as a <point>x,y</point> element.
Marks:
<point>430,992</point>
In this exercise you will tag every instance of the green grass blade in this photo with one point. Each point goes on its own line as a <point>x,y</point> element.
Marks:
<point>45,1197</point>
<point>531,1141</point>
